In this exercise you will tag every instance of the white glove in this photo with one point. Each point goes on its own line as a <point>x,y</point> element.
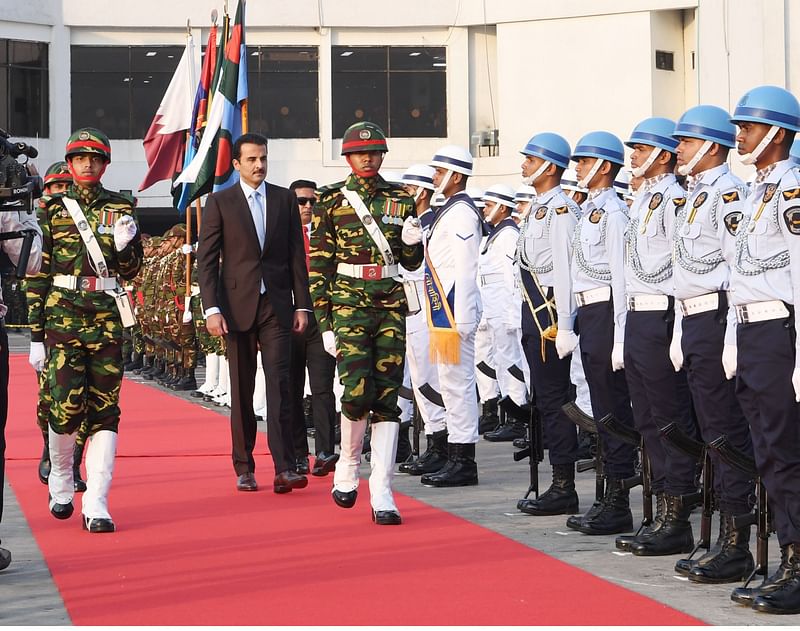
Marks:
<point>796,384</point>
<point>186,249</point>
<point>566,342</point>
<point>676,353</point>
<point>483,325</point>
<point>124,231</point>
<point>329,342</point>
<point>617,361</point>
<point>412,231</point>
<point>37,356</point>
<point>729,360</point>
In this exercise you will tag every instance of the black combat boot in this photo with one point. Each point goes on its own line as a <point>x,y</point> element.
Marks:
<point>784,573</point>
<point>614,515</point>
<point>147,361</point>
<point>733,562</point>
<point>156,368</point>
<point>559,499</point>
<point>77,481</point>
<point>488,420</point>
<point>576,521</point>
<point>187,382</point>
<point>684,566</point>
<point>432,460</point>
<point>460,469</point>
<point>404,449</point>
<point>44,461</point>
<point>624,542</point>
<point>172,377</point>
<point>786,598</point>
<point>521,443</point>
<point>674,536</point>
<point>508,431</point>
<point>134,363</point>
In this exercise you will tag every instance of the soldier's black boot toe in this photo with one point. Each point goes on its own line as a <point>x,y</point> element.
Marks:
<point>404,448</point>
<point>489,420</point>
<point>614,515</point>
<point>786,598</point>
<point>345,499</point>
<point>624,542</point>
<point>432,460</point>
<point>460,470</point>
<point>784,573</point>
<point>560,499</point>
<point>733,562</point>
<point>673,537</point>
<point>77,481</point>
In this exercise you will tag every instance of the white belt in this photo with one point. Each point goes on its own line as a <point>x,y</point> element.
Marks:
<point>700,304</point>
<point>761,311</point>
<point>84,283</point>
<point>648,302</point>
<point>591,296</point>
<point>491,279</point>
<point>367,272</point>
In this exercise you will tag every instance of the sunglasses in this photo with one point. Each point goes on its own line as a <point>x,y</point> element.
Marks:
<point>302,201</point>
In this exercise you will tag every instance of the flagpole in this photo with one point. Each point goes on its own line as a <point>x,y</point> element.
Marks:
<point>187,300</point>
<point>245,119</point>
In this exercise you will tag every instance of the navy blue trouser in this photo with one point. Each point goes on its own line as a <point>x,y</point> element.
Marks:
<point>766,359</point>
<point>608,390</point>
<point>659,396</point>
<point>718,410</point>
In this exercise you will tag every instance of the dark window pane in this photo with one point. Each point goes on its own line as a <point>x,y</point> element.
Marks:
<point>359,96</point>
<point>32,54</point>
<point>147,91</point>
<point>418,105</point>
<point>102,100</point>
<point>284,104</point>
<point>359,58</point>
<point>417,58</point>
<point>283,59</point>
<point>4,100</point>
<point>100,58</point>
<point>3,51</point>
<point>27,102</point>
<point>155,58</point>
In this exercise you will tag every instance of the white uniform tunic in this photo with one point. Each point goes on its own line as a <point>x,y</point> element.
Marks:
<point>453,250</point>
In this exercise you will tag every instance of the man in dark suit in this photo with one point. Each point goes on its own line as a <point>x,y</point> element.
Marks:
<point>256,295</point>
<point>309,352</point>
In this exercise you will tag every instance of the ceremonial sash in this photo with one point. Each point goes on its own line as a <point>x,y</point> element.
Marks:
<point>445,343</point>
<point>545,333</point>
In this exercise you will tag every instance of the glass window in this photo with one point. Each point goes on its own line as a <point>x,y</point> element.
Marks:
<point>119,88</point>
<point>283,91</point>
<point>24,86</point>
<point>401,88</point>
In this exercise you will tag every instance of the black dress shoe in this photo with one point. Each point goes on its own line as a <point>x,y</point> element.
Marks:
<point>44,466</point>
<point>98,524</point>
<point>287,480</point>
<point>62,511</point>
<point>324,464</point>
<point>5,558</point>
<point>246,482</point>
<point>301,465</point>
<point>345,499</point>
<point>386,518</point>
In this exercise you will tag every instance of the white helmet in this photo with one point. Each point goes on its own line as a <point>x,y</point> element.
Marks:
<point>393,177</point>
<point>476,195</point>
<point>500,194</point>
<point>453,158</point>
<point>569,182</point>
<point>419,175</point>
<point>524,193</point>
<point>622,182</point>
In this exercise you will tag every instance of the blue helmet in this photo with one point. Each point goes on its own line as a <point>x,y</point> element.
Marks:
<point>707,122</point>
<point>769,105</point>
<point>654,132</point>
<point>794,152</point>
<point>602,145</point>
<point>548,146</point>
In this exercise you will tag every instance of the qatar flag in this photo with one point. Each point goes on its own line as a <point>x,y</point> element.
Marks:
<point>165,142</point>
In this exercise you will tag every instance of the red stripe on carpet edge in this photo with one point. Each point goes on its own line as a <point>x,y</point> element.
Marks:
<point>190,550</point>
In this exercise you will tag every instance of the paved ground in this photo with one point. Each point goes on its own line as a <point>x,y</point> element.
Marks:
<point>29,597</point>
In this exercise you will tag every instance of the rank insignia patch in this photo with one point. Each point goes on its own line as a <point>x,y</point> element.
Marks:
<point>700,200</point>
<point>793,193</point>
<point>732,221</point>
<point>732,196</point>
<point>541,212</point>
<point>679,203</point>
<point>769,193</point>
<point>562,210</point>
<point>596,215</point>
<point>655,201</point>
<point>792,218</point>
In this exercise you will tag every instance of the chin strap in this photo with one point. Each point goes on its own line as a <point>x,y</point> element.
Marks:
<point>750,158</point>
<point>584,183</point>
<point>86,181</point>
<point>528,181</point>
<point>360,172</point>
<point>641,170</point>
<point>687,168</point>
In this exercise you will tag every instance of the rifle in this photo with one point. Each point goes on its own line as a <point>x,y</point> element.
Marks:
<point>673,434</point>
<point>760,516</point>
<point>408,394</point>
<point>587,423</point>
<point>630,436</point>
<point>534,451</point>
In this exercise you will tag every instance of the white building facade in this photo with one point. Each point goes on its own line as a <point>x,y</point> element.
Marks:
<point>488,74</point>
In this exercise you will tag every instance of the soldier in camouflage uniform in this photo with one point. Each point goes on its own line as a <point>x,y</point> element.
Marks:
<point>57,179</point>
<point>361,307</point>
<point>78,324</point>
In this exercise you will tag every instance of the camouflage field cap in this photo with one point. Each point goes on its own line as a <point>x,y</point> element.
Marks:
<point>361,137</point>
<point>88,140</point>
<point>58,172</point>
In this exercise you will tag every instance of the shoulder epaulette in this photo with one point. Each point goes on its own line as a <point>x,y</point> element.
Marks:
<point>329,189</point>
<point>730,196</point>
<point>562,210</point>
<point>678,201</point>
<point>124,198</point>
<point>792,193</point>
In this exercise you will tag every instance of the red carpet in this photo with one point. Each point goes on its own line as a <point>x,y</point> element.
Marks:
<point>190,550</point>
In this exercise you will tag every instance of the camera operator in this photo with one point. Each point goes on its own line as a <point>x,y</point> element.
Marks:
<point>14,217</point>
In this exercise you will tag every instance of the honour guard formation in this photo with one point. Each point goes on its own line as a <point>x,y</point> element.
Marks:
<point>626,306</point>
